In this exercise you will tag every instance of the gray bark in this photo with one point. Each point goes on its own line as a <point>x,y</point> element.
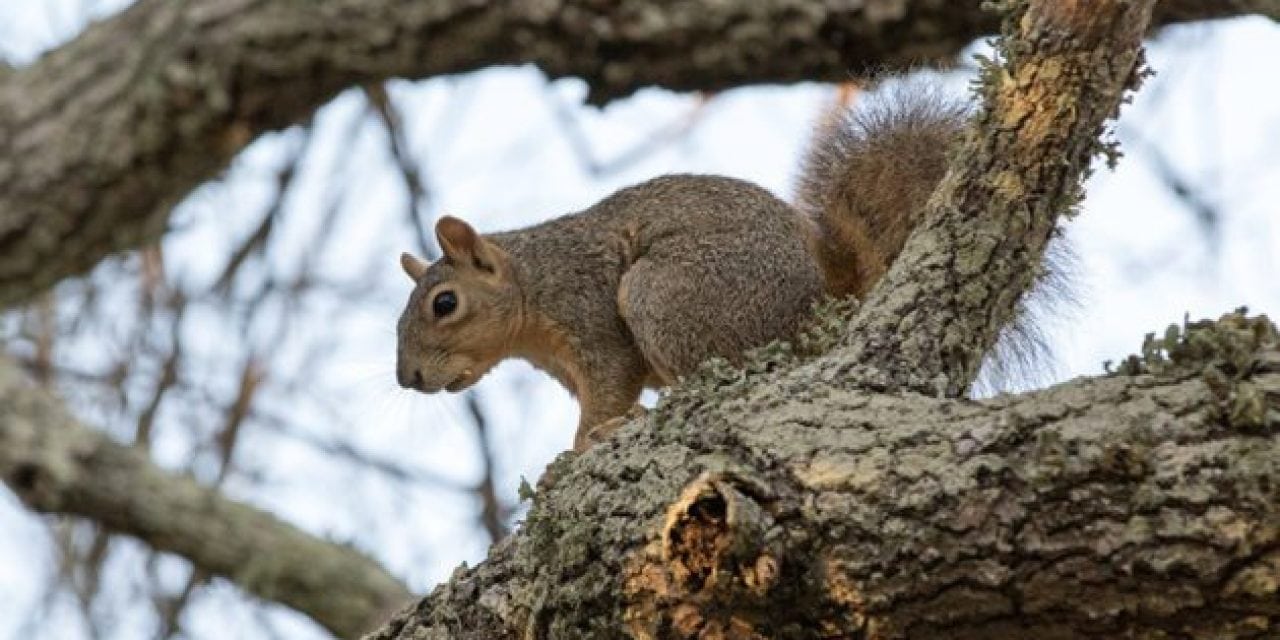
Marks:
<point>101,137</point>
<point>56,465</point>
<point>830,500</point>
<point>960,278</point>
<point>1142,505</point>
<point>794,504</point>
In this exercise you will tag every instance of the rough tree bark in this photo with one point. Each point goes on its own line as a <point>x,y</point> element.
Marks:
<point>802,502</point>
<point>938,311</point>
<point>55,465</point>
<point>833,500</point>
<point>1130,506</point>
<point>101,137</point>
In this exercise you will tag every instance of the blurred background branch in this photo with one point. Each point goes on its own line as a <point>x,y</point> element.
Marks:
<point>57,466</point>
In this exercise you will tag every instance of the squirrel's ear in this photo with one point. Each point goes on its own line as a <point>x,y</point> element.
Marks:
<point>456,238</point>
<point>463,246</point>
<point>413,266</point>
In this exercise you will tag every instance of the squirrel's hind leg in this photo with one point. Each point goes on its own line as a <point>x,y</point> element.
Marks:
<point>683,311</point>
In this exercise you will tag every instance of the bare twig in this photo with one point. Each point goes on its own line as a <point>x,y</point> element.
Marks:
<point>251,378</point>
<point>649,144</point>
<point>168,376</point>
<point>1207,214</point>
<point>56,465</point>
<point>493,513</point>
<point>205,111</point>
<point>408,166</point>
<point>256,242</point>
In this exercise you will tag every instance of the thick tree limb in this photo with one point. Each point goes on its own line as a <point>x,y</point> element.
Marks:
<point>1130,506</point>
<point>101,137</point>
<point>807,504</point>
<point>55,465</point>
<point>958,281</point>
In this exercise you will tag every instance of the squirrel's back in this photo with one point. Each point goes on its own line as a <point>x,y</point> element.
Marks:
<point>726,266</point>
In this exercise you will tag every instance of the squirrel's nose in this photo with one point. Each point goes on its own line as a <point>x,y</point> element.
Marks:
<point>410,379</point>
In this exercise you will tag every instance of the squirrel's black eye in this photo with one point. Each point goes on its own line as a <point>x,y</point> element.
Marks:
<point>444,303</point>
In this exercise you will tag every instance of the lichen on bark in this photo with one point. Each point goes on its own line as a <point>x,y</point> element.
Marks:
<point>827,497</point>
<point>1122,505</point>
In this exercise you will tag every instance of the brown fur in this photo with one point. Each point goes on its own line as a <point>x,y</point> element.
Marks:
<point>866,180</point>
<point>642,287</point>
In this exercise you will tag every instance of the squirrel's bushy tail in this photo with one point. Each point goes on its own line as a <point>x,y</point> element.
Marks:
<point>868,175</point>
<point>865,183</point>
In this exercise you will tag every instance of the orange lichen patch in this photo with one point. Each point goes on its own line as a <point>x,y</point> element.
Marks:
<point>842,591</point>
<point>1009,185</point>
<point>708,573</point>
<point>1088,21</point>
<point>762,575</point>
<point>696,536</point>
<point>734,629</point>
<point>1031,109</point>
<point>1067,15</point>
<point>648,591</point>
<point>1261,579</point>
<point>687,620</point>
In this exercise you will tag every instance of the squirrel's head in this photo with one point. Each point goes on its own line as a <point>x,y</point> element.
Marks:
<point>462,314</point>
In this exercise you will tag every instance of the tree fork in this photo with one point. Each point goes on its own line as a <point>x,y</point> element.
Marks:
<point>1141,504</point>
<point>798,503</point>
<point>959,280</point>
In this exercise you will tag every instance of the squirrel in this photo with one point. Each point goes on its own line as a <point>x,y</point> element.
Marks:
<point>642,287</point>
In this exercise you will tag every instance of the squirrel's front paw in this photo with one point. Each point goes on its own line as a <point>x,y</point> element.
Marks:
<point>600,432</point>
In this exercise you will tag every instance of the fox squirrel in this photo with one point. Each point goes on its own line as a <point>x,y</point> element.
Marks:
<point>640,288</point>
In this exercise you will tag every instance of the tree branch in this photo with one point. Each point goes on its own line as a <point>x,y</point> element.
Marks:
<point>1137,505</point>
<point>55,465</point>
<point>958,282</point>
<point>101,137</point>
<point>807,503</point>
